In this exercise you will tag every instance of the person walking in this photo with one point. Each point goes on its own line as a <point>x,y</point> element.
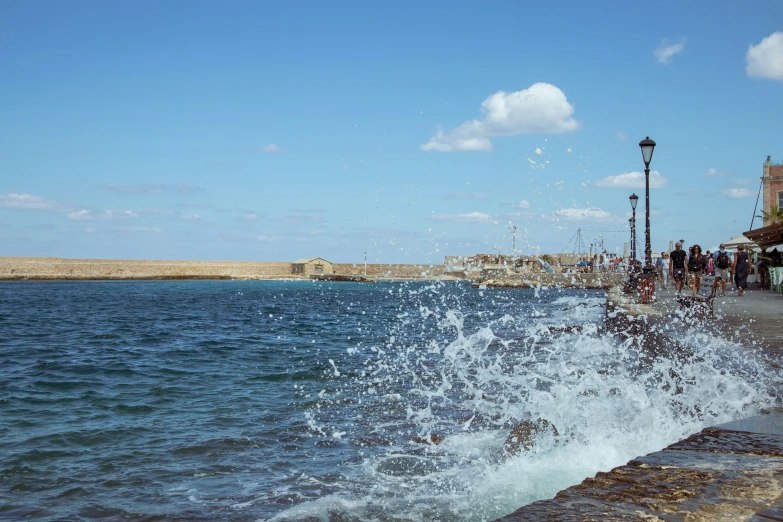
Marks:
<point>665,269</point>
<point>723,267</point>
<point>710,264</point>
<point>741,268</point>
<point>677,261</point>
<point>697,264</point>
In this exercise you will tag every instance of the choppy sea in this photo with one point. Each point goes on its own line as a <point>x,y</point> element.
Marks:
<point>304,401</point>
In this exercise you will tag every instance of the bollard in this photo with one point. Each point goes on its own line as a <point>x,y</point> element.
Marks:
<point>647,288</point>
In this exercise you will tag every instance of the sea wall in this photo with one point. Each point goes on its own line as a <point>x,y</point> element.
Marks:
<point>593,281</point>
<point>43,268</point>
<point>413,271</point>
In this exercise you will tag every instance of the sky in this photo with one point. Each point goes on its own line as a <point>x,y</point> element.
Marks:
<point>272,131</point>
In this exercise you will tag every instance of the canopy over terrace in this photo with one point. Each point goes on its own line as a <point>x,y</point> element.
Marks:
<point>734,242</point>
<point>766,237</point>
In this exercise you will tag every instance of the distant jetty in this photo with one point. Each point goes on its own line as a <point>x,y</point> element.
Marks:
<point>482,270</point>
<point>57,268</point>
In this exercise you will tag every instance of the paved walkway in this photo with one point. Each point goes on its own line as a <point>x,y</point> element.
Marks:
<point>754,320</point>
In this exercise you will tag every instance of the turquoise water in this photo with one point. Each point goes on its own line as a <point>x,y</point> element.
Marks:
<point>296,400</point>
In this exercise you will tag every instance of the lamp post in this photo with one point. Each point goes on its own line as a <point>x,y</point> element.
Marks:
<point>634,200</point>
<point>647,145</point>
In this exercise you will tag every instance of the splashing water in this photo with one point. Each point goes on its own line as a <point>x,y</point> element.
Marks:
<point>468,366</point>
<point>310,401</point>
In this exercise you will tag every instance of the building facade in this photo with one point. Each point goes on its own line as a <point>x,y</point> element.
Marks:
<point>311,266</point>
<point>772,182</point>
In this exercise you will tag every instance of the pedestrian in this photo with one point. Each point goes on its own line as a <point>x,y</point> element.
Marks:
<point>677,261</point>
<point>659,269</point>
<point>665,269</point>
<point>723,267</point>
<point>741,268</point>
<point>697,265</point>
<point>710,264</point>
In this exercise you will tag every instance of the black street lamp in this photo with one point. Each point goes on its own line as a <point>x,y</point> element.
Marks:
<point>634,200</point>
<point>647,145</point>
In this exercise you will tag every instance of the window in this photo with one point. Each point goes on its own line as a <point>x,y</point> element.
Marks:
<point>319,269</point>
<point>780,199</point>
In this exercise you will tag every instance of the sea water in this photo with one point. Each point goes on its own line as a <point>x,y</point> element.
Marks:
<point>300,401</point>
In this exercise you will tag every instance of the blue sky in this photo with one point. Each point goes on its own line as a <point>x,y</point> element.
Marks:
<point>408,130</point>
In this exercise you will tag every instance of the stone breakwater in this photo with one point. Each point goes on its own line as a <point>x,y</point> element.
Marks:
<point>595,281</point>
<point>56,268</point>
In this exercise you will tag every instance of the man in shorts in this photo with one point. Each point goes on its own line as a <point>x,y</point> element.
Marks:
<point>677,260</point>
<point>722,267</point>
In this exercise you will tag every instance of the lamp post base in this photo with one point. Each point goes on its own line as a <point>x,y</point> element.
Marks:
<point>647,288</point>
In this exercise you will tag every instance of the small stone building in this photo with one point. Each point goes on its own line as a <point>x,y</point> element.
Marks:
<point>308,266</point>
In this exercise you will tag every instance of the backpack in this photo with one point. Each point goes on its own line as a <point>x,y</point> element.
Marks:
<point>723,260</point>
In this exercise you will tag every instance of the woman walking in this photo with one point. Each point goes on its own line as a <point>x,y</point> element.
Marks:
<point>697,264</point>
<point>741,268</point>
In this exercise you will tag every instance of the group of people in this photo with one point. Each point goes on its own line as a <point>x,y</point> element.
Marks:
<point>689,268</point>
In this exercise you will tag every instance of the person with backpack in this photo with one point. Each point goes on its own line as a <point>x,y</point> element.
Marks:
<point>722,267</point>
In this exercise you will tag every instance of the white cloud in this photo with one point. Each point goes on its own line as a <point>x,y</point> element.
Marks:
<point>539,151</point>
<point>112,214</point>
<point>472,217</point>
<point>665,52</point>
<point>88,215</point>
<point>633,180</point>
<point>621,135</point>
<point>765,60</point>
<point>191,216</point>
<point>711,172</point>
<point>522,204</point>
<point>271,148</point>
<point>460,195</point>
<point>737,193</point>
<point>266,239</point>
<point>583,214</point>
<point>27,202</point>
<point>540,109</point>
<point>81,215</point>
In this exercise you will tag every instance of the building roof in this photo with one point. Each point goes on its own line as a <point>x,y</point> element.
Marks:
<point>766,236</point>
<point>306,260</point>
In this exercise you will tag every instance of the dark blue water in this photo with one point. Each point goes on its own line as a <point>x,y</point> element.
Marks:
<point>301,401</point>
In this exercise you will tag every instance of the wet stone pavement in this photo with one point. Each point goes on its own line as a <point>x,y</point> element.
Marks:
<point>732,471</point>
